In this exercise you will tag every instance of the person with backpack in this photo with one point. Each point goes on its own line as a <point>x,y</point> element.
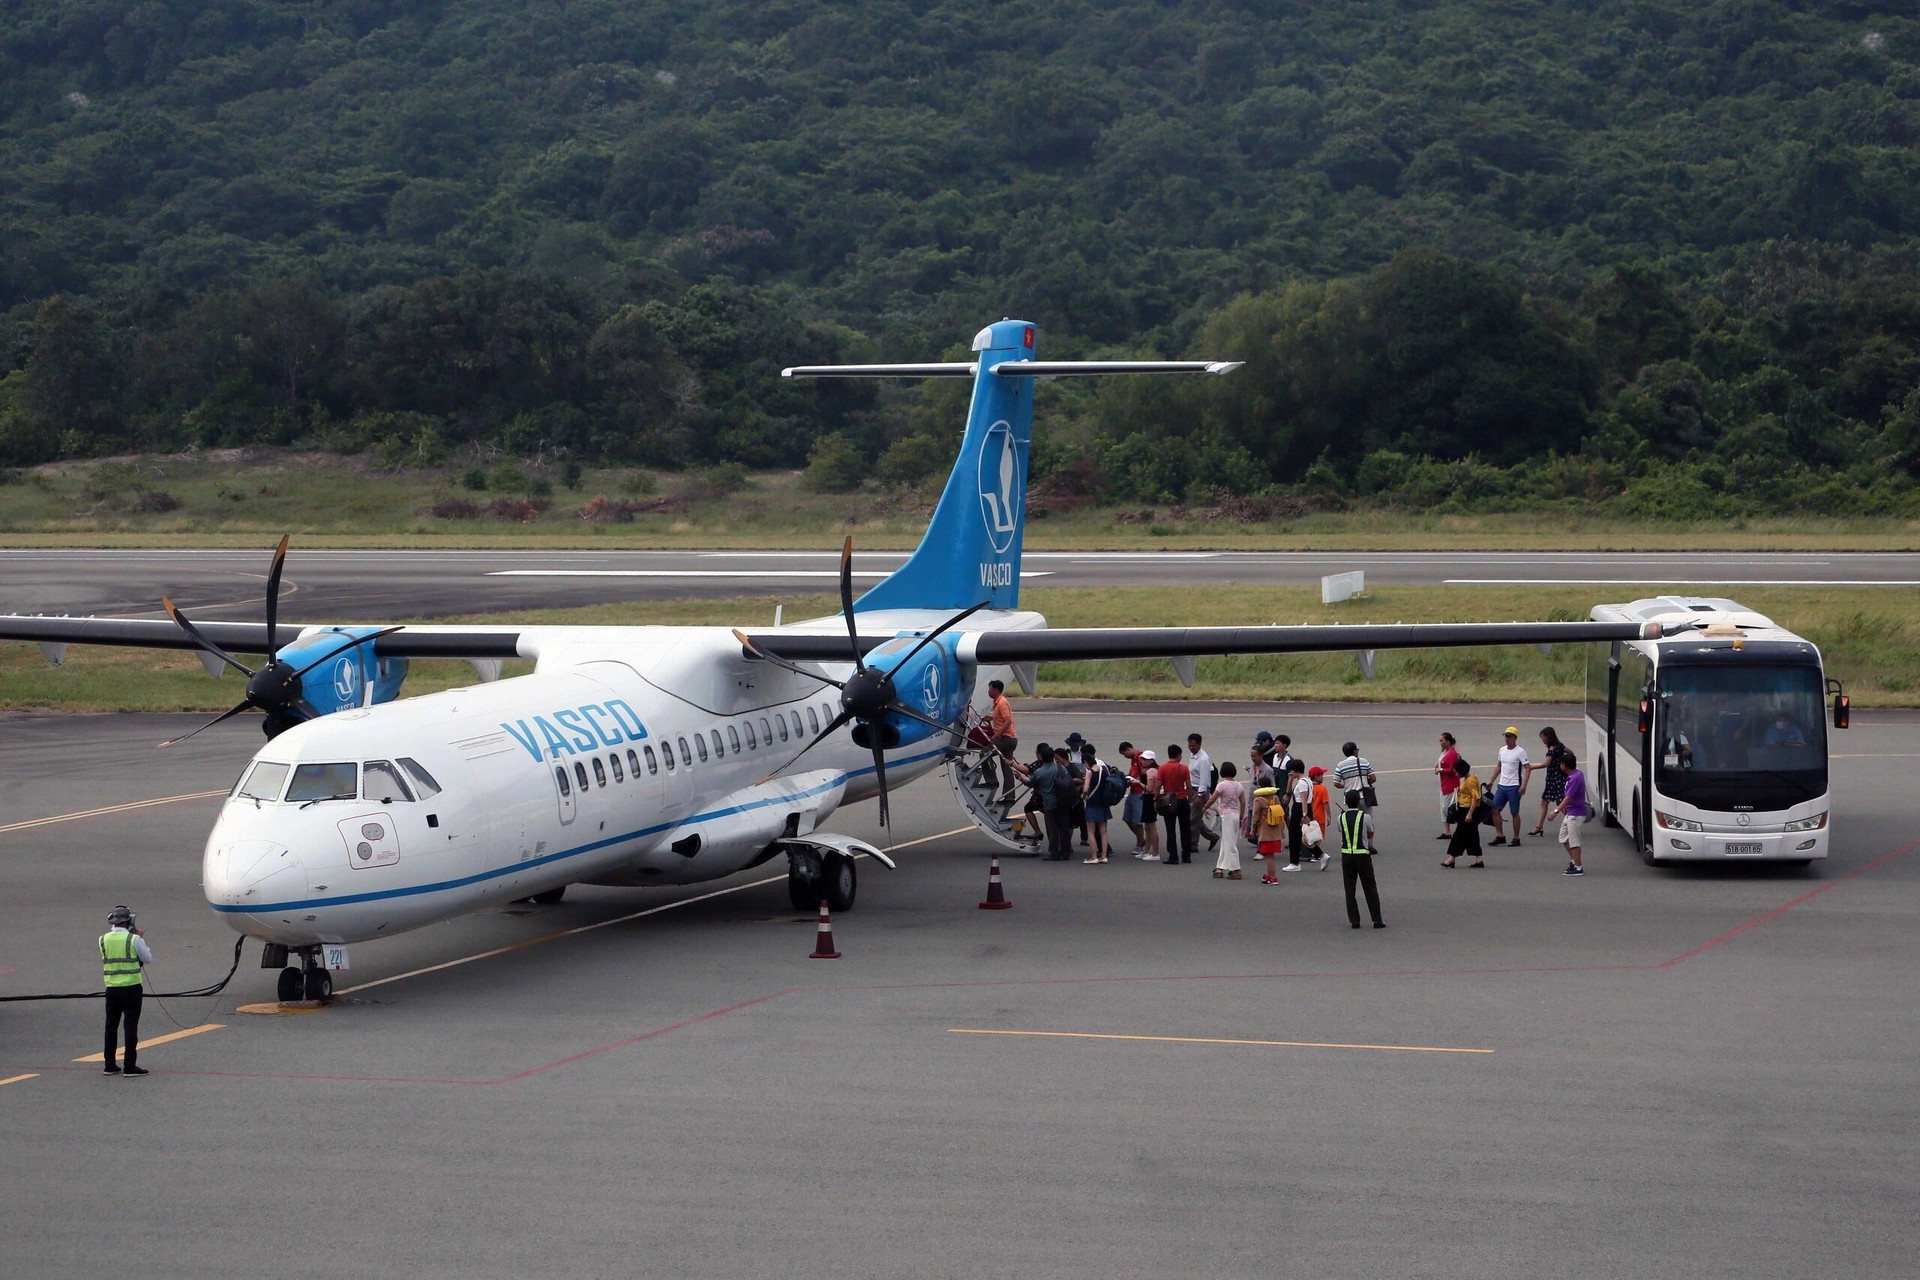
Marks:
<point>1056,787</point>
<point>1357,852</point>
<point>1228,801</point>
<point>1103,787</point>
<point>1470,810</point>
<point>1077,820</point>
<point>1270,828</point>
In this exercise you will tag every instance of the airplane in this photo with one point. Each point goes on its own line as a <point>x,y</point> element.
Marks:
<point>659,755</point>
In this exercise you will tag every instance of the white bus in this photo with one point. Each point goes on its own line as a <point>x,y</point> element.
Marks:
<point>1710,742</point>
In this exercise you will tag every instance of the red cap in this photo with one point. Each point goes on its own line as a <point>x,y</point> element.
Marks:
<point>1317,772</point>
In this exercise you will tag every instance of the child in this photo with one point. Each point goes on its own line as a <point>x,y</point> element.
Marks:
<point>1320,810</point>
<point>1270,828</point>
<point>1228,799</point>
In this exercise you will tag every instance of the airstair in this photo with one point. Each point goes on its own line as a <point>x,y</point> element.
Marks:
<point>981,796</point>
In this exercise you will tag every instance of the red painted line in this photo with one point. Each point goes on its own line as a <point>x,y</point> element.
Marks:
<point>646,1035</point>
<point>1785,907</point>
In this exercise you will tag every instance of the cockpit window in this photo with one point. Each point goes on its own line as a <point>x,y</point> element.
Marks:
<point>423,784</point>
<point>324,782</point>
<point>264,782</point>
<point>379,780</point>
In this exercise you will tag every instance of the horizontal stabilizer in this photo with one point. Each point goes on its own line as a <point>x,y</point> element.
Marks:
<point>881,371</point>
<point>1087,368</point>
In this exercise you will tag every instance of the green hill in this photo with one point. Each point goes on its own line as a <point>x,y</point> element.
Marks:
<point>1650,253</point>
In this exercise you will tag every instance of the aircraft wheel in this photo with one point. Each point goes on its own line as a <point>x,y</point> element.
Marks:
<point>802,891</point>
<point>838,882</point>
<point>292,985</point>
<point>319,984</point>
<point>550,897</point>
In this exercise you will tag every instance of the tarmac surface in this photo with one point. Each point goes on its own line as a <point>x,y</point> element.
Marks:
<point>1687,1073</point>
<point>364,585</point>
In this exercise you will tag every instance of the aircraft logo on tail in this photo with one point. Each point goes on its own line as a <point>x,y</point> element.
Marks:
<point>1001,495</point>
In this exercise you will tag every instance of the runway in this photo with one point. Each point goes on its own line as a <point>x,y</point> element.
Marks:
<point>355,585</point>
<point>1136,1070</point>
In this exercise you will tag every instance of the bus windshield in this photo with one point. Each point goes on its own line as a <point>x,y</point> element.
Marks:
<point>1732,736</point>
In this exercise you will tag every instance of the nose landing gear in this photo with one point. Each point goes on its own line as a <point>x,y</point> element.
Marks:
<point>307,980</point>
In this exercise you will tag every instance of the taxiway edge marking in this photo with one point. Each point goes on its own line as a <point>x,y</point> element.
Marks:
<point>165,1039</point>
<point>31,1075</point>
<point>1279,1044</point>
<point>103,811</point>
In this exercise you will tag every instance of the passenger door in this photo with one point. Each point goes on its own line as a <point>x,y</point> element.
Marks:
<point>563,788</point>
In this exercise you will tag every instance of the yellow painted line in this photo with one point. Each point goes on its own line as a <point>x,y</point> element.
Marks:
<point>31,1075</point>
<point>112,808</point>
<point>172,1035</point>
<point>603,924</point>
<point>1279,1044</point>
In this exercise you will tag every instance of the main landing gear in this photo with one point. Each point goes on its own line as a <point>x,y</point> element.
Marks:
<point>812,876</point>
<point>302,977</point>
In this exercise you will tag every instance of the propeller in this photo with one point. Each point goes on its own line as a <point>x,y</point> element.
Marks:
<point>867,696</point>
<point>275,687</point>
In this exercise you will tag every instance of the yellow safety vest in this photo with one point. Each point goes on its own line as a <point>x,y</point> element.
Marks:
<point>1350,824</point>
<point>119,959</point>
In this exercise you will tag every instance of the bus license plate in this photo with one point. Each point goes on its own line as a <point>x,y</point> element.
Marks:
<point>1735,850</point>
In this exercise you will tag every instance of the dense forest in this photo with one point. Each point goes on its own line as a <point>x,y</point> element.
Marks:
<point>1653,254</point>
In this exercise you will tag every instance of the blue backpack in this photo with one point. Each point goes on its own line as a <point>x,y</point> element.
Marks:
<point>1113,786</point>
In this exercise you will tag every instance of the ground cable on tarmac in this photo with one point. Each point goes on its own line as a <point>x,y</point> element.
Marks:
<point>212,990</point>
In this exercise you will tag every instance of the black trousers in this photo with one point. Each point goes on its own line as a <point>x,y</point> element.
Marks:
<point>1059,833</point>
<point>1296,838</point>
<point>1359,867</point>
<point>1180,832</point>
<point>1465,840</point>
<point>123,1002</point>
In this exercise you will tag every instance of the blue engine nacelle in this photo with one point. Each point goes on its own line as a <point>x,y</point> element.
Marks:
<point>933,682</point>
<point>343,681</point>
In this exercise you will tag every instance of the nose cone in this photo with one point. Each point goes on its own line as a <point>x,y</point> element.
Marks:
<point>239,872</point>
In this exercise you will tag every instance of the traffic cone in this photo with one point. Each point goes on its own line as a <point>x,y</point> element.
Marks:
<point>823,940</point>
<point>996,897</point>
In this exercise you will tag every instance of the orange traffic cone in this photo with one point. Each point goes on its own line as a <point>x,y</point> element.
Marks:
<point>996,896</point>
<point>823,940</point>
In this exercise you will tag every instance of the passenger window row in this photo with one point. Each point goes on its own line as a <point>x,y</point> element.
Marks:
<point>707,746</point>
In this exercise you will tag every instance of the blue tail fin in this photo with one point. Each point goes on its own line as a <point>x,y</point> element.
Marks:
<point>971,551</point>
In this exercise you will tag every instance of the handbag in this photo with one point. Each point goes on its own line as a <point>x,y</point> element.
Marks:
<point>1311,833</point>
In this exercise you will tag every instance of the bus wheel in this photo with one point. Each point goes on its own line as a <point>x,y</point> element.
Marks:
<point>1642,847</point>
<point>1607,818</point>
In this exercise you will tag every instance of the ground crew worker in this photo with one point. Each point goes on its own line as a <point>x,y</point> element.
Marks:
<point>123,952</point>
<point>1356,863</point>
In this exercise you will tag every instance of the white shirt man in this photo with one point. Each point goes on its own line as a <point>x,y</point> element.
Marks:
<point>1509,786</point>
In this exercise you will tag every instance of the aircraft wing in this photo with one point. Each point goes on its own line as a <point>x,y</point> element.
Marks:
<point>1074,644</point>
<point>251,637</point>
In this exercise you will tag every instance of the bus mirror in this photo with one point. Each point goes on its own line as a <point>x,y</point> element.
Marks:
<point>1842,710</point>
<point>1646,716</point>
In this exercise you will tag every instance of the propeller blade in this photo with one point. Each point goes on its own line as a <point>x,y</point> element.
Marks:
<point>825,733</point>
<point>782,663</point>
<point>273,593</point>
<point>880,775</point>
<point>228,714</point>
<point>193,633</point>
<point>329,657</point>
<point>902,709</point>
<point>934,634</point>
<point>846,602</point>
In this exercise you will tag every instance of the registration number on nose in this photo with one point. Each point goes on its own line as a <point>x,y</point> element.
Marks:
<point>1735,850</point>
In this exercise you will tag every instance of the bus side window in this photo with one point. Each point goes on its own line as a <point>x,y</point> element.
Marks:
<point>560,776</point>
<point>599,772</point>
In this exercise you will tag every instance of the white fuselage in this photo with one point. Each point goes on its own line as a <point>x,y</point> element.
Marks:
<point>538,787</point>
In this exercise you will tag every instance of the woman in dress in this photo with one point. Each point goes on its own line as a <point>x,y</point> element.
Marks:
<point>1271,833</point>
<point>1556,784</point>
<point>1228,799</point>
<point>1098,815</point>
